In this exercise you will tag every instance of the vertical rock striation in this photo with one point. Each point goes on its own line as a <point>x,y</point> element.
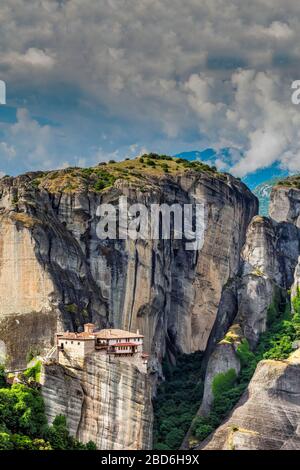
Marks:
<point>171,294</point>
<point>107,401</point>
<point>285,204</point>
<point>269,269</point>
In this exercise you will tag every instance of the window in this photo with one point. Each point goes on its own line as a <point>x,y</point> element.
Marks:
<point>78,344</point>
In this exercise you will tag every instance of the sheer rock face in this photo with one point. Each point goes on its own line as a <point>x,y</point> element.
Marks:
<point>45,283</point>
<point>269,257</point>
<point>25,293</point>
<point>221,360</point>
<point>267,416</point>
<point>285,205</point>
<point>108,401</point>
<point>269,268</point>
<point>169,293</point>
<point>269,260</point>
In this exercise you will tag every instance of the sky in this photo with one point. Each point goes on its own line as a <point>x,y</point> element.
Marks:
<point>93,80</point>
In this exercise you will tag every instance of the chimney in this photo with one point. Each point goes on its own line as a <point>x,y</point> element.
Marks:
<point>137,332</point>
<point>89,327</point>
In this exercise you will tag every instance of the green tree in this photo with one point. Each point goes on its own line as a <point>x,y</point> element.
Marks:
<point>2,376</point>
<point>223,382</point>
<point>58,434</point>
<point>174,438</point>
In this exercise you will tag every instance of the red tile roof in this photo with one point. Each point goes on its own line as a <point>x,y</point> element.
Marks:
<point>109,333</point>
<point>77,336</point>
<point>115,333</point>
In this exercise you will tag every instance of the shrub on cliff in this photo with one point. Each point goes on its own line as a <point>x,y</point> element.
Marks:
<point>223,382</point>
<point>23,423</point>
<point>60,439</point>
<point>22,409</point>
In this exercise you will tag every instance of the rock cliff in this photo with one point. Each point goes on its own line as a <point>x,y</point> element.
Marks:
<point>221,360</point>
<point>285,202</point>
<point>65,276</point>
<point>107,401</point>
<point>267,416</point>
<point>269,260</point>
<point>270,268</point>
<point>56,274</point>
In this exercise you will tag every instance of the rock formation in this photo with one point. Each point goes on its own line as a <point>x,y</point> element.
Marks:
<point>221,360</point>
<point>267,416</point>
<point>65,276</point>
<point>285,204</point>
<point>269,270</point>
<point>107,401</point>
<point>61,275</point>
<point>269,259</point>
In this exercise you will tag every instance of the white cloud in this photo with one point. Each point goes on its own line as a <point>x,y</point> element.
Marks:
<point>28,143</point>
<point>7,151</point>
<point>163,74</point>
<point>259,119</point>
<point>32,57</point>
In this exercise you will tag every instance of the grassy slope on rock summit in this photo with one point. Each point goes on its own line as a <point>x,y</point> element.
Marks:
<point>140,171</point>
<point>292,182</point>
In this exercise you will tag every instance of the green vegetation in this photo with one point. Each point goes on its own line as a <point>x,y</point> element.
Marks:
<point>276,343</point>
<point>33,352</point>
<point>156,156</point>
<point>33,373</point>
<point>104,180</point>
<point>177,401</point>
<point>36,182</point>
<point>150,162</point>
<point>23,424</point>
<point>2,377</point>
<point>296,306</point>
<point>290,182</point>
<point>233,335</point>
<point>73,179</point>
<point>197,165</point>
<point>223,381</point>
<point>104,175</point>
<point>71,308</point>
<point>165,167</point>
<point>15,199</point>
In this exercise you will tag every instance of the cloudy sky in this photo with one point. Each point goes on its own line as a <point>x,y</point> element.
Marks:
<point>91,80</point>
